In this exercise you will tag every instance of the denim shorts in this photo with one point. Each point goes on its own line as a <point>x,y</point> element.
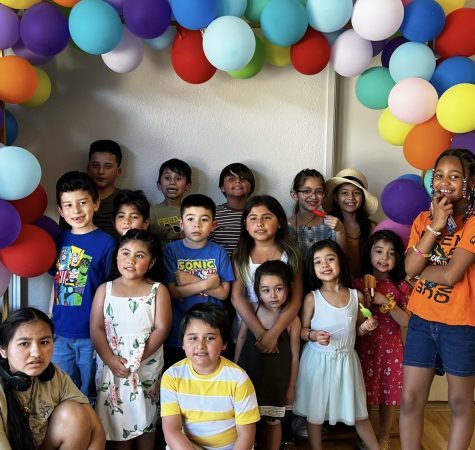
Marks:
<point>445,348</point>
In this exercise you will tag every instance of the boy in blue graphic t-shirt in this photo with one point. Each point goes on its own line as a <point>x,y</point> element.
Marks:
<point>196,270</point>
<point>84,261</point>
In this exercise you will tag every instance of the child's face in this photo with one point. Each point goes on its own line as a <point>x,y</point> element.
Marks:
<point>310,194</point>
<point>78,208</point>
<point>197,223</point>
<point>235,186</point>
<point>203,345</point>
<point>272,291</point>
<point>103,169</point>
<point>173,185</point>
<point>383,258</point>
<point>134,260</point>
<point>326,264</point>
<point>448,178</point>
<point>30,349</point>
<point>129,217</point>
<point>261,223</point>
<point>349,198</point>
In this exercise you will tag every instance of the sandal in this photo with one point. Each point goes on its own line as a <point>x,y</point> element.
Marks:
<point>384,445</point>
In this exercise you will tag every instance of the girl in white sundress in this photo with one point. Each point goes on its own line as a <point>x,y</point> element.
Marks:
<point>130,320</point>
<point>330,380</point>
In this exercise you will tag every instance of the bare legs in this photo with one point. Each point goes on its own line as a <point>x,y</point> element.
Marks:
<point>386,416</point>
<point>273,435</point>
<point>145,441</point>
<point>314,436</point>
<point>366,433</point>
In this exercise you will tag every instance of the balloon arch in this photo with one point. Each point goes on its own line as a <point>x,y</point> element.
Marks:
<point>424,84</point>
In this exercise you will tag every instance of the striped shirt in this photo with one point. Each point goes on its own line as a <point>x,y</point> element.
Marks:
<point>229,227</point>
<point>210,405</point>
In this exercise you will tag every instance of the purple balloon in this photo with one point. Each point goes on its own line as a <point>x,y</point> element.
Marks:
<point>378,46</point>
<point>389,48</point>
<point>147,18</point>
<point>117,4</point>
<point>44,29</point>
<point>464,140</point>
<point>10,224</point>
<point>9,27</point>
<point>49,225</point>
<point>402,200</point>
<point>403,231</point>
<point>22,50</point>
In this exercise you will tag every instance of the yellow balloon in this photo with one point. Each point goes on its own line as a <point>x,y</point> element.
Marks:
<point>19,4</point>
<point>392,130</point>
<point>43,91</point>
<point>456,108</point>
<point>450,5</point>
<point>276,55</point>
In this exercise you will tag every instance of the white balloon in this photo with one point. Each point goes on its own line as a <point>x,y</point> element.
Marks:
<point>376,20</point>
<point>127,56</point>
<point>351,54</point>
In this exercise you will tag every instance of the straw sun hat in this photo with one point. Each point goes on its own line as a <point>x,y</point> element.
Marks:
<point>356,178</point>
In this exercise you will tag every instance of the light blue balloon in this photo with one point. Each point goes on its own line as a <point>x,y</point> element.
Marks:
<point>164,40</point>
<point>329,15</point>
<point>412,59</point>
<point>229,43</point>
<point>20,173</point>
<point>284,22</point>
<point>95,26</point>
<point>428,181</point>
<point>231,8</point>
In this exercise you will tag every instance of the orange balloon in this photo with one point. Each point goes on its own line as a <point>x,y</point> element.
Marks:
<point>18,79</point>
<point>425,142</point>
<point>67,3</point>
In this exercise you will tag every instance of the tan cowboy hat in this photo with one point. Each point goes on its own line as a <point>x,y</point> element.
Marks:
<point>356,178</point>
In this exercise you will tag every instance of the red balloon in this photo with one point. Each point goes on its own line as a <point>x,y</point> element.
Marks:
<point>311,54</point>
<point>32,254</point>
<point>188,57</point>
<point>458,36</point>
<point>33,206</point>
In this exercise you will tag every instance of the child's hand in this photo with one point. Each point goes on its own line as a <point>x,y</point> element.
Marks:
<point>334,223</point>
<point>267,342</point>
<point>323,337</point>
<point>117,366</point>
<point>442,208</point>
<point>183,278</point>
<point>290,396</point>
<point>379,299</point>
<point>369,324</point>
<point>214,281</point>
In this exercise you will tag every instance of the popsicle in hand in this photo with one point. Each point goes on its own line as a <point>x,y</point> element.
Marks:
<point>369,282</point>
<point>318,212</point>
<point>365,311</point>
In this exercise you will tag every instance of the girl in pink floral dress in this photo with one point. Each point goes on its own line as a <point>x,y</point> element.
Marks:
<point>130,319</point>
<point>381,351</point>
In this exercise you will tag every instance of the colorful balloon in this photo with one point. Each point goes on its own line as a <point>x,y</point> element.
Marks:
<point>390,47</point>
<point>231,8</point>
<point>403,231</point>
<point>33,206</point>
<point>328,15</point>
<point>450,5</point>
<point>19,4</point>
<point>164,40</point>
<point>275,54</point>
<point>412,59</point>
<point>194,15</point>
<point>49,225</point>
<point>311,54</point>
<point>12,128</point>
<point>457,37</point>
<point>373,87</point>
<point>464,140</point>
<point>127,56</point>
<point>10,224</point>
<point>423,20</point>
<point>9,27</point>
<point>351,54</point>
<point>147,18</point>
<point>456,108</point>
<point>392,130</point>
<point>21,50</point>
<point>43,90</point>
<point>452,71</point>
<point>255,65</point>
<point>254,10</point>
<point>18,79</point>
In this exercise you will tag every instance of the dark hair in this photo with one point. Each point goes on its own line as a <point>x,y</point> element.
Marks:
<point>311,280</point>
<point>75,181</point>
<point>178,166</point>
<point>19,432</point>
<point>398,273</point>
<point>133,198</point>
<point>106,146</point>
<point>282,237</point>
<point>300,179</point>
<point>198,200</point>
<point>277,268</point>
<point>209,313</point>
<point>242,171</point>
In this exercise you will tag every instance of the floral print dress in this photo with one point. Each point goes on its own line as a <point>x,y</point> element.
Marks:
<point>128,406</point>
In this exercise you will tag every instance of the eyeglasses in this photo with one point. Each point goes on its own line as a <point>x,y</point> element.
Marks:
<point>309,192</point>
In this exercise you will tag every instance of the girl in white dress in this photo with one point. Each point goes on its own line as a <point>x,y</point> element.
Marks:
<point>130,320</point>
<point>330,381</point>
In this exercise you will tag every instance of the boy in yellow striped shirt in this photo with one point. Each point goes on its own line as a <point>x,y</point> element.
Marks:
<point>207,401</point>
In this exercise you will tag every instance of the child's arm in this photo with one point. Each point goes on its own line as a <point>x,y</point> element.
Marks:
<point>240,341</point>
<point>245,436</point>
<point>307,333</point>
<point>98,335</point>
<point>364,326</point>
<point>221,292</point>
<point>174,437</point>
<point>294,332</point>
<point>162,322</point>
<point>185,287</point>
<point>400,315</point>
<point>337,226</point>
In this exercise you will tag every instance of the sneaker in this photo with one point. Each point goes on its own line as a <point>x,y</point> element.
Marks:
<point>289,445</point>
<point>299,427</point>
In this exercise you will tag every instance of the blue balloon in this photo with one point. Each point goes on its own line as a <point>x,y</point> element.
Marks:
<point>164,40</point>
<point>12,128</point>
<point>95,26</point>
<point>329,15</point>
<point>193,14</point>
<point>412,59</point>
<point>20,173</point>
<point>452,71</point>
<point>231,8</point>
<point>423,20</point>
<point>411,176</point>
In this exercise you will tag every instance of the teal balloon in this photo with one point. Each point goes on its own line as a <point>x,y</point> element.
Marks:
<point>254,10</point>
<point>11,125</point>
<point>231,8</point>
<point>373,87</point>
<point>95,26</point>
<point>284,22</point>
<point>412,59</point>
<point>329,15</point>
<point>255,65</point>
<point>20,173</point>
<point>428,181</point>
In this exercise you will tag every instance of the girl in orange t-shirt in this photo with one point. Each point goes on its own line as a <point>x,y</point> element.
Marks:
<point>441,332</point>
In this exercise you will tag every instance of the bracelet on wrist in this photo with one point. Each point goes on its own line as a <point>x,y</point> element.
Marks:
<point>419,253</point>
<point>308,335</point>
<point>431,230</point>
<point>384,309</point>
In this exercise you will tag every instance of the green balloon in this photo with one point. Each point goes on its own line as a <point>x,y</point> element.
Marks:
<point>255,65</point>
<point>373,87</point>
<point>254,10</point>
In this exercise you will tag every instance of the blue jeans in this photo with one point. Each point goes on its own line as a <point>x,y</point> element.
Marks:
<point>76,358</point>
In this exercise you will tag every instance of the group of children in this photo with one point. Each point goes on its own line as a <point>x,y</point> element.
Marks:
<point>165,305</point>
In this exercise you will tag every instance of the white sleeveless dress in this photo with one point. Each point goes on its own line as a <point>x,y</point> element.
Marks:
<point>330,383</point>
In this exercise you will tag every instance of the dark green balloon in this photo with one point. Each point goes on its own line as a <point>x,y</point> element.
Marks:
<point>255,65</point>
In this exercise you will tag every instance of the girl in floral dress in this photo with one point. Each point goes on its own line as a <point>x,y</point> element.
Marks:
<point>130,319</point>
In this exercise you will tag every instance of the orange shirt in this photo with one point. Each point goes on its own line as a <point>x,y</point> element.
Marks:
<point>453,305</point>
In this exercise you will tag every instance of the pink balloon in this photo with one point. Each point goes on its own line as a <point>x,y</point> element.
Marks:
<point>5,276</point>
<point>403,231</point>
<point>413,100</point>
